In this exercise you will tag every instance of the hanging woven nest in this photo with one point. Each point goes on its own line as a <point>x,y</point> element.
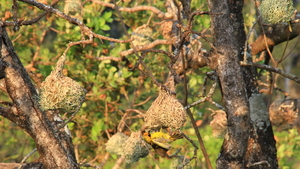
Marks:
<point>132,148</point>
<point>61,92</point>
<point>275,11</point>
<point>116,143</point>
<point>142,36</point>
<point>165,112</point>
<point>135,148</point>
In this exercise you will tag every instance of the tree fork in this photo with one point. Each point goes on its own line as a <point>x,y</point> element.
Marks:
<point>243,146</point>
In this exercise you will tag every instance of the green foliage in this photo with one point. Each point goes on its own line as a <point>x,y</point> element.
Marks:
<point>288,148</point>
<point>113,86</point>
<point>97,128</point>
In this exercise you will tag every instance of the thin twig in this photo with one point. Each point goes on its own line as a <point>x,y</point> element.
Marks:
<point>29,22</point>
<point>160,51</point>
<point>159,13</point>
<point>195,151</point>
<point>206,98</point>
<point>84,29</point>
<point>217,105</point>
<point>90,165</point>
<point>135,50</point>
<point>260,163</point>
<point>119,162</point>
<point>189,113</point>
<point>200,140</point>
<point>246,41</point>
<point>292,49</point>
<point>26,157</point>
<point>148,46</point>
<point>192,15</point>
<point>15,15</point>
<point>272,69</point>
<point>264,34</point>
<point>116,59</point>
<point>143,102</point>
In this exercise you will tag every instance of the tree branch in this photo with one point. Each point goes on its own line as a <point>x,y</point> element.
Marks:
<point>148,46</point>
<point>83,28</point>
<point>29,22</point>
<point>4,111</point>
<point>272,69</point>
<point>159,13</point>
<point>25,112</point>
<point>277,34</point>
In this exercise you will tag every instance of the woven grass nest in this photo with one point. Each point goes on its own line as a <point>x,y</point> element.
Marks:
<point>132,148</point>
<point>165,112</point>
<point>61,92</point>
<point>275,11</point>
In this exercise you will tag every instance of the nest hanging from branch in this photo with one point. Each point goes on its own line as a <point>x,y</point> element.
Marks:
<point>132,148</point>
<point>61,92</point>
<point>276,11</point>
<point>165,112</point>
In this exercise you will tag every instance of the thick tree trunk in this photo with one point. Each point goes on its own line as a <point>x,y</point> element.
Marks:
<point>54,146</point>
<point>243,146</point>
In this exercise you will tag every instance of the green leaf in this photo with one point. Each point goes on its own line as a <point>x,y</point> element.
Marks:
<point>98,126</point>
<point>126,73</point>
<point>192,82</point>
<point>105,27</point>
<point>107,15</point>
<point>113,84</point>
<point>100,22</point>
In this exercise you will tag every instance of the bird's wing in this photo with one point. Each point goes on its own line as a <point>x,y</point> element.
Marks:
<point>161,142</point>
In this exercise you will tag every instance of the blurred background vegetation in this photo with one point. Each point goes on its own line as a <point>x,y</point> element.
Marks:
<point>114,89</point>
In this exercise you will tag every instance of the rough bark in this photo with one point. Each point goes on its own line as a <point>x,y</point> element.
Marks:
<point>54,146</point>
<point>243,146</point>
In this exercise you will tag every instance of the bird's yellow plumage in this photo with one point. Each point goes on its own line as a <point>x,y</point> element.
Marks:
<point>160,141</point>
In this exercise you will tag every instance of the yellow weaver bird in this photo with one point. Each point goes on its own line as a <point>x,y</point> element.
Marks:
<point>160,141</point>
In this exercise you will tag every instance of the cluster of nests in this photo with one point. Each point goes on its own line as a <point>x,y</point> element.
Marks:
<point>165,112</point>
<point>59,92</point>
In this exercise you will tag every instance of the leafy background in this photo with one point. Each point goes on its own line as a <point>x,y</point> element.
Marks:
<point>114,88</point>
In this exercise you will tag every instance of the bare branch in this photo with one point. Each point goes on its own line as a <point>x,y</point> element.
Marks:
<point>192,15</point>
<point>260,163</point>
<point>206,98</point>
<point>4,111</point>
<point>26,157</point>
<point>159,13</point>
<point>29,22</point>
<point>53,10</point>
<point>83,28</point>
<point>111,39</point>
<point>186,161</point>
<point>160,51</point>
<point>148,46</point>
<point>200,140</point>
<point>272,69</point>
<point>116,59</point>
